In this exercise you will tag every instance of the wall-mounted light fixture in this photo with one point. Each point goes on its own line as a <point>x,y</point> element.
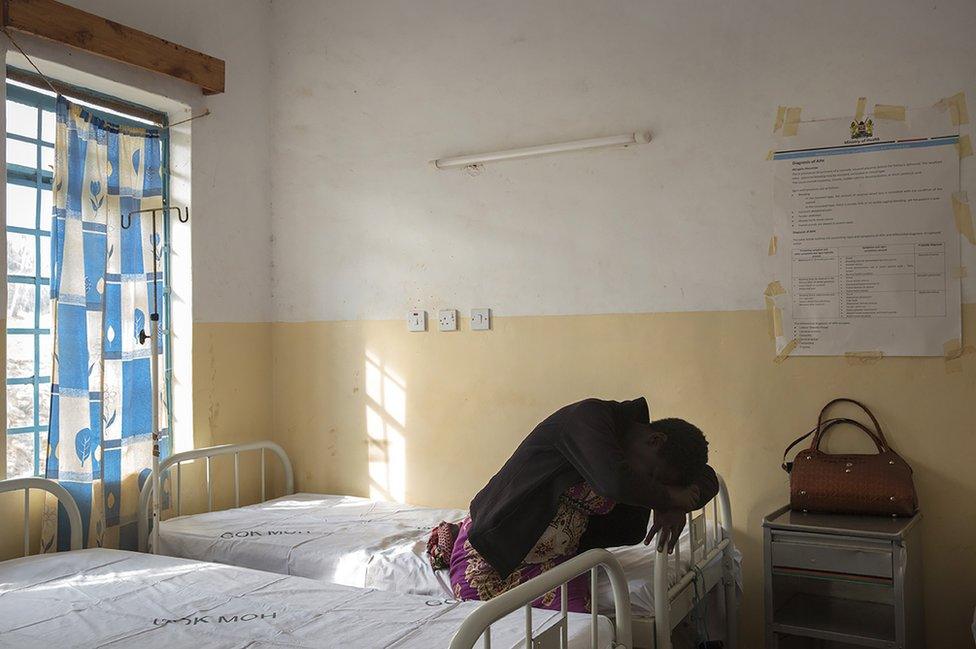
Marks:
<point>639,137</point>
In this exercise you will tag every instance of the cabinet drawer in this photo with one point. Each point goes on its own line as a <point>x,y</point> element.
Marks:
<point>852,559</point>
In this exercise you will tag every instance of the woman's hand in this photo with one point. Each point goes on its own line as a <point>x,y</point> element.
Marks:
<point>684,498</point>
<point>668,524</point>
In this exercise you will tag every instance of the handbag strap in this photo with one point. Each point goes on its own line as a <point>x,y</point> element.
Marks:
<point>818,434</point>
<point>830,423</point>
<point>788,466</point>
<point>877,427</point>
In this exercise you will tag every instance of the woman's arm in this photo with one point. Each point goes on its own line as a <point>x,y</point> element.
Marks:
<point>707,484</point>
<point>589,443</point>
<point>668,523</point>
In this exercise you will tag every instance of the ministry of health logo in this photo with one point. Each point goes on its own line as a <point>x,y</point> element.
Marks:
<point>862,129</point>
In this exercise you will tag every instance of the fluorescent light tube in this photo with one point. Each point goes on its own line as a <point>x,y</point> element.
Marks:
<point>640,137</point>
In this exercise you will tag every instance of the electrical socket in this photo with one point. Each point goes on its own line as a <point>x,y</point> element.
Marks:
<point>447,320</point>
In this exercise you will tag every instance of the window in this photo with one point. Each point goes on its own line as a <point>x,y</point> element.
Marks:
<point>30,169</point>
<point>30,165</point>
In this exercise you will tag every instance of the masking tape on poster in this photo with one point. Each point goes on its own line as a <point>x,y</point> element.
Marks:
<point>956,105</point>
<point>783,355</point>
<point>889,112</point>
<point>963,215</point>
<point>774,314</point>
<point>780,116</point>
<point>773,245</point>
<point>954,351</point>
<point>862,103</point>
<point>792,121</point>
<point>863,358</point>
<point>774,288</point>
<point>964,146</point>
<point>775,318</point>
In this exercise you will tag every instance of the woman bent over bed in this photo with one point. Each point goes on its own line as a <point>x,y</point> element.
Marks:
<point>588,476</point>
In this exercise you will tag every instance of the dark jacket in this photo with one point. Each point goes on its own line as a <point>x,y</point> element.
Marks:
<point>582,441</point>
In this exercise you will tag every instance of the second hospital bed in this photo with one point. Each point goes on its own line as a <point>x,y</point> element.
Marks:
<point>112,598</point>
<point>376,544</point>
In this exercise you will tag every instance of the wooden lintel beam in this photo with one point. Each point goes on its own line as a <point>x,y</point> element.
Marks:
<point>62,23</point>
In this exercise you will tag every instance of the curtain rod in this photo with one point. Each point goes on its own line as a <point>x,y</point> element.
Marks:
<point>88,96</point>
<point>96,99</point>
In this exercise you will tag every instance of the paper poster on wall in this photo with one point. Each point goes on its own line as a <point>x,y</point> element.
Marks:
<point>867,238</point>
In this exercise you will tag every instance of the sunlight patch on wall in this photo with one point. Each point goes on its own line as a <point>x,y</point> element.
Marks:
<point>386,418</point>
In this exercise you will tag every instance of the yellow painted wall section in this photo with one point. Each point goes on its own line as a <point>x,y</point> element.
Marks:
<point>368,408</point>
<point>231,382</point>
<point>232,391</point>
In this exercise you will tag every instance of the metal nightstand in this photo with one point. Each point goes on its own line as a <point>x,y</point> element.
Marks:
<point>835,582</point>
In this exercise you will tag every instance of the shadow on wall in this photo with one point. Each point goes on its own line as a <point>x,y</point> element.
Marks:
<point>386,420</point>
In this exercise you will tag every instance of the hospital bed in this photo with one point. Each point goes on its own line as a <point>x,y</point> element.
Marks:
<point>113,598</point>
<point>368,543</point>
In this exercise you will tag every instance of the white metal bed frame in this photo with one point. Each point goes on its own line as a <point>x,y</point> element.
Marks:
<point>672,603</point>
<point>206,453</point>
<point>59,492</point>
<point>477,625</point>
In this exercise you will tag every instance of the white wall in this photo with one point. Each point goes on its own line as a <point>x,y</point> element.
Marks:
<point>364,93</point>
<point>230,185</point>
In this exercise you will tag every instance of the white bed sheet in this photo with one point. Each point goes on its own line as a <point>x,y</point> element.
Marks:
<point>341,539</point>
<point>360,542</point>
<point>112,598</point>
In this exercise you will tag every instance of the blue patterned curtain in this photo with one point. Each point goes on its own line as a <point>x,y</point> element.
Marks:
<point>100,445</point>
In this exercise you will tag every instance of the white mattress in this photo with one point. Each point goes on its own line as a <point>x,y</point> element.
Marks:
<point>358,542</point>
<point>111,598</point>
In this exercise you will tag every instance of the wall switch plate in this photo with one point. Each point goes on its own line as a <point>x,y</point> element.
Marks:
<point>417,320</point>
<point>447,319</point>
<point>480,319</point>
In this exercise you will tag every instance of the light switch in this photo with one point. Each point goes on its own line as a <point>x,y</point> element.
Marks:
<point>447,319</point>
<point>480,319</point>
<point>417,320</point>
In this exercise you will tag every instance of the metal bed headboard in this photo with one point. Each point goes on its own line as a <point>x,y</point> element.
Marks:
<point>715,543</point>
<point>207,453</point>
<point>478,624</point>
<point>59,492</point>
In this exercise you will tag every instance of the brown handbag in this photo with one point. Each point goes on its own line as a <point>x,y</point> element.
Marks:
<point>850,483</point>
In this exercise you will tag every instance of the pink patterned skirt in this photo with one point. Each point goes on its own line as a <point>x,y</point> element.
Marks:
<point>473,578</point>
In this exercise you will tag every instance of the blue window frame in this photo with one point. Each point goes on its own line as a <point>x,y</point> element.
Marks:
<point>30,168</point>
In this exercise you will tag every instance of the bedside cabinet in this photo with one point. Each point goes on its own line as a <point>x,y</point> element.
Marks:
<point>839,581</point>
